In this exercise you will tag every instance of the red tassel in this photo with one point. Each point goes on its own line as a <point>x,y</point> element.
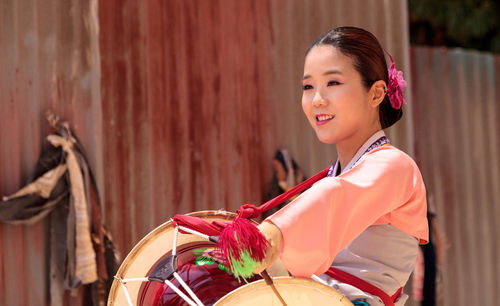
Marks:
<point>243,247</point>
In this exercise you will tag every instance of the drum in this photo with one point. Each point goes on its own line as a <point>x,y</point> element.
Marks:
<point>199,280</point>
<point>294,291</point>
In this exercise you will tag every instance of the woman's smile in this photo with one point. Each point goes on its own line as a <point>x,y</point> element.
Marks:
<point>322,119</point>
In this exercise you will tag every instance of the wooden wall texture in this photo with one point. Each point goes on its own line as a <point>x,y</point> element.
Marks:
<point>181,106</point>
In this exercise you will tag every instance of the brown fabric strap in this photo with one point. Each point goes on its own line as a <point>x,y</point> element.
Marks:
<point>85,267</point>
<point>42,186</point>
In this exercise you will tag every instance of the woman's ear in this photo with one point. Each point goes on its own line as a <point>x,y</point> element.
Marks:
<point>377,93</point>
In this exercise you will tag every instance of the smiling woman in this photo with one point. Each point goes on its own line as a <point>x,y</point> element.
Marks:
<point>359,228</point>
<point>368,60</point>
<point>345,72</point>
<point>334,99</point>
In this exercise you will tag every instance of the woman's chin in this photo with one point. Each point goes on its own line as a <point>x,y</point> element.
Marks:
<point>326,139</point>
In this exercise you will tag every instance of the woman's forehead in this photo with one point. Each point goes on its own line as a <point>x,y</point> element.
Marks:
<point>325,59</point>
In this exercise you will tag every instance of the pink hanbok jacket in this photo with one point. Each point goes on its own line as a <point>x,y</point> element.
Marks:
<point>384,187</point>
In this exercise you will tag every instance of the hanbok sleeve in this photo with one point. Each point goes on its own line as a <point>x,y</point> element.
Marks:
<point>384,187</point>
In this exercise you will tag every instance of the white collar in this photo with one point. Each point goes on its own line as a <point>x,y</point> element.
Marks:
<point>360,152</point>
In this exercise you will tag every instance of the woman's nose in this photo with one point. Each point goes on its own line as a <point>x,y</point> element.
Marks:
<point>318,99</point>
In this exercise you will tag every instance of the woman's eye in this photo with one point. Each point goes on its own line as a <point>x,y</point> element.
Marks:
<point>331,83</point>
<point>306,87</point>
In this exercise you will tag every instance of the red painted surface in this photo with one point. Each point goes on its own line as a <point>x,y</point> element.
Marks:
<point>189,132</point>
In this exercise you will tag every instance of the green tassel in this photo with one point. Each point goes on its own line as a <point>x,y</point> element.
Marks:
<point>244,267</point>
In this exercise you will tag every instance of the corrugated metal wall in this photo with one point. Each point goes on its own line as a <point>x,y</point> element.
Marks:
<point>180,105</point>
<point>49,58</point>
<point>185,96</point>
<point>456,95</point>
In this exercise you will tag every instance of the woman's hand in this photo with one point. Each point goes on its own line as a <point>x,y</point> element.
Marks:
<point>273,236</point>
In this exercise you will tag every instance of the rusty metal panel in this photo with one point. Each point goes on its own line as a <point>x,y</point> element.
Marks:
<point>456,145</point>
<point>185,109</point>
<point>49,60</point>
<point>180,105</point>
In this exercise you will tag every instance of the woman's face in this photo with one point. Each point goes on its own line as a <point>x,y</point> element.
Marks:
<point>334,99</point>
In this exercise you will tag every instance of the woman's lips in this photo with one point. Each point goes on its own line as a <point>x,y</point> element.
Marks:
<point>323,119</point>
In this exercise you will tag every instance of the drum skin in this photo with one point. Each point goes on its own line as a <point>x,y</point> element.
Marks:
<point>209,280</point>
<point>294,291</point>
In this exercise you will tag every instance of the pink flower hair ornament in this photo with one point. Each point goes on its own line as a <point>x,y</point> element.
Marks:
<point>395,86</point>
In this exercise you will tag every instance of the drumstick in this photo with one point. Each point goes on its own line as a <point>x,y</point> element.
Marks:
<point>269,281</point>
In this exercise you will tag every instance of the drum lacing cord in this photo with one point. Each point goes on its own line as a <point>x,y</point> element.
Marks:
<point>193,300</point>
<point>123,282</point>
<point>124,287</point>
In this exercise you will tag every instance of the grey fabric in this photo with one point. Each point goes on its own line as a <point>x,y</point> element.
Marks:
<point>382,255</point>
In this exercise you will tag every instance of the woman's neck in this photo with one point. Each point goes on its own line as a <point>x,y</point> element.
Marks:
<point>348,148</point>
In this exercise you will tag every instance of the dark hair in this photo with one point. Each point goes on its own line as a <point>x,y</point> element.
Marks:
<point>369,60</point>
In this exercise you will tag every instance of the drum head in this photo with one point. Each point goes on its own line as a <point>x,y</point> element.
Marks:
<point>294,291</point>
